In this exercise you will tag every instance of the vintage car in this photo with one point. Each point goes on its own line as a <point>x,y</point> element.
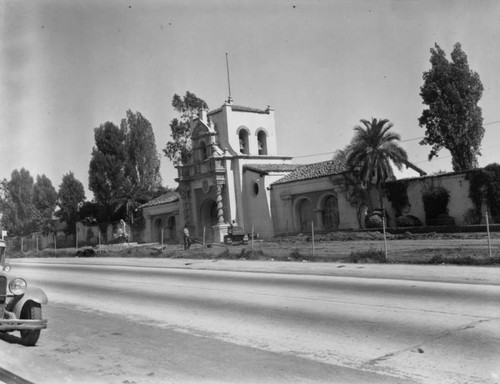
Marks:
<point>236,235</point>
<point>20,305</point>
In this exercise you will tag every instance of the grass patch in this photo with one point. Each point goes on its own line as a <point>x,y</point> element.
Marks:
<point>463,260</point>
<point>369,256</point>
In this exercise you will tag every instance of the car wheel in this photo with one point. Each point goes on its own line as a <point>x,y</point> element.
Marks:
<point>30,311</point>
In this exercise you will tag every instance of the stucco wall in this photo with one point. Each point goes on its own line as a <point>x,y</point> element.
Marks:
<point>285,197</point>
<point>228,122</point>
<point>163,212</point>
<point>256,199</point>
<point>455,184</point>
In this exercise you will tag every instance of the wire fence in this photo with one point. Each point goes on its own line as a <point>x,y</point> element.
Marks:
<point>416,244</point>
<point>478,244</point>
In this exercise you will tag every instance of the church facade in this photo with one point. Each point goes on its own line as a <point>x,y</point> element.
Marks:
<point>235,161</point>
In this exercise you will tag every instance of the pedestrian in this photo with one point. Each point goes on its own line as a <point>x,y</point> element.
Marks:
<point>187,239</point>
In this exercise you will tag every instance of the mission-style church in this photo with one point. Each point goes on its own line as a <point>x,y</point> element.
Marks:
<point>236,174</point>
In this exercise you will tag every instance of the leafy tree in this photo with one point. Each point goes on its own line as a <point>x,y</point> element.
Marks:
<point>17,203</point>
<point>107,165</point>
<point>143,161</point>
<point>179,149</point>
<point>124,169</point>
<point>370,153</point>
<point>485,187</point>
<point>45,202</point>
<point>70,197</point>
<point>453,120</point>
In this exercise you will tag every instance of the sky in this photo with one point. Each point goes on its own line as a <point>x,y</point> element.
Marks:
<point>67,67</point>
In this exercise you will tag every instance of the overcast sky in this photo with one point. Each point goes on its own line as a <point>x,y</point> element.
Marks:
<point>68,66</point>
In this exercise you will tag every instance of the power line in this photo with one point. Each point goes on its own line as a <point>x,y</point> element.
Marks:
<point>415,138</point>
<point>402,141</point>
<point>316,154</point>
<point>447,157</point>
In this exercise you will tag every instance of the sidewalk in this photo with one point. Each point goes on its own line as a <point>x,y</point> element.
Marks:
<point>489,275</point>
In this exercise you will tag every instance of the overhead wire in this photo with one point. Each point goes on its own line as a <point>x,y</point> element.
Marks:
<point>401,141</point>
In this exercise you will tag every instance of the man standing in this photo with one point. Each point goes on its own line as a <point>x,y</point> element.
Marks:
<point>187,239</point>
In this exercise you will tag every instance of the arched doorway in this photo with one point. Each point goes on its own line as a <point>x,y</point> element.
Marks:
<point>208,218</point>
<point>158,228</point>
<point>304,215</point>
<point>171,232</point>
<point>330,215</point>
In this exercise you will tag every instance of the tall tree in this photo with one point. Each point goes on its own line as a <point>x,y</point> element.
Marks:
<point>370,153</point>
<point>453,119</point>
<point>70,197</point>
<point>143,161</point>
<point>107,165</point>
<point>44,201</point>
<point>179,149</point>
<point>17,203</point>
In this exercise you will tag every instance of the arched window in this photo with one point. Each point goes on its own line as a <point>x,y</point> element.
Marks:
<point>305,215</point>
<point>330,213</point>
<point>243,136</point>
<point>262,142</point>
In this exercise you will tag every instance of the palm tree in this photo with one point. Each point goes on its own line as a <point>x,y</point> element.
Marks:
<point>370,153</point>
<point>128,198</point>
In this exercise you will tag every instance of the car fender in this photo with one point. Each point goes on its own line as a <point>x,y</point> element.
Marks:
<point>31,294</point>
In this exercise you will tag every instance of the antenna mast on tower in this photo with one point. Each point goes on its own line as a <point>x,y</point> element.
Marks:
<point>229,100</point>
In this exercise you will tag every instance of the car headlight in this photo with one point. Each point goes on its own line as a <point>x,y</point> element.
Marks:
<point>18,286</point>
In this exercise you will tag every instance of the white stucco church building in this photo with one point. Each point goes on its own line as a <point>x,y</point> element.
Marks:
<point>237,174</point>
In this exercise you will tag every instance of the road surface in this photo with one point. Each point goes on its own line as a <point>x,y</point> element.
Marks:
<point>132,324</point>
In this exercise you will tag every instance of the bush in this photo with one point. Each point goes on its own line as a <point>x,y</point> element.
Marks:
<point>408,221</point>
<point>435,201</point>
<point>472,217</point>
<point>442,219</point>
<point>374,220</point>
<point>370,256</point>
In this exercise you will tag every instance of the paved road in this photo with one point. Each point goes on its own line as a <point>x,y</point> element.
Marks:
<point>143,325</point>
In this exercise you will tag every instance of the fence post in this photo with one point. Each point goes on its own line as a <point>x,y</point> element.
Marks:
<point>55,244</point>
<point>37,243</point>
<point>162,237</point>
<point>76,238</point>
<point>312,235</point>
<point>203,245</point>
<point>385,237</point>
<point>21,244</point>
<point>252,237</point>
<point>99,237</point>
<point>488,231</point>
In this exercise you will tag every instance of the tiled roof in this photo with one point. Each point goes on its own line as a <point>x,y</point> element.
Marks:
<point>169,197</point>
<point>268,168</point>
<point>239,108</point>
<point>312,171</point>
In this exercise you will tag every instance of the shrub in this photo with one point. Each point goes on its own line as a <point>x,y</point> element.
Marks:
<point>370,256</point>
<point>408,221</point>
<point>397,194</point>
<point>373,220</point>
<point>435,201</point>
<point>472,217</point>
<point>485,185</point>
<point>442,219</point>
